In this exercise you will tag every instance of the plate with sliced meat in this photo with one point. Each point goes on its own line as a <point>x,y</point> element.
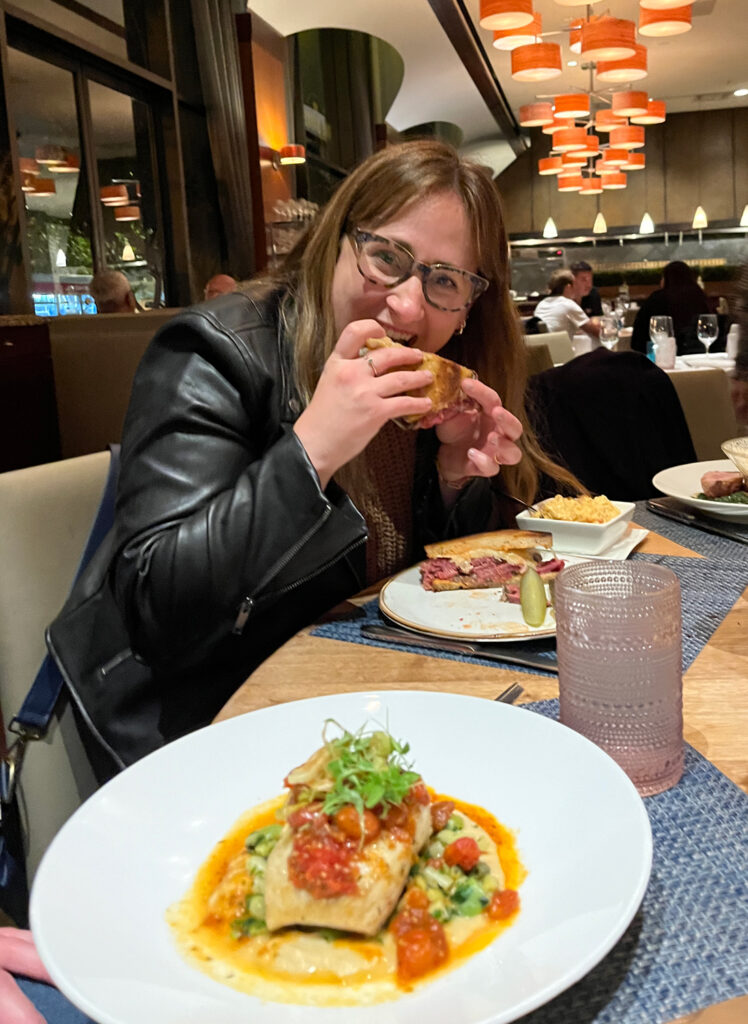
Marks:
<point>715,488</point>
<point>468,588</point>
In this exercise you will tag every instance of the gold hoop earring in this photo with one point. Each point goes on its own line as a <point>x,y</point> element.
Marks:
<point>461,328</point>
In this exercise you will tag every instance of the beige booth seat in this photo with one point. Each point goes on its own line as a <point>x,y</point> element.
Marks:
<point>705,398</point>
<point>46,514</point>
<point>94,359</point>
<point>558,342</point>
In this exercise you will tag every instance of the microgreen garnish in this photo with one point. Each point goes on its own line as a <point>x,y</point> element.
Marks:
<point>368,770</point>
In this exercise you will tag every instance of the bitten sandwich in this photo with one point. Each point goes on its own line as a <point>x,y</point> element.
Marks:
<point>445,392</point>
<point>488,560</point>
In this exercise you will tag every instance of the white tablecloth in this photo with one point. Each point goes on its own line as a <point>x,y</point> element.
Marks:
<point>713,361</point>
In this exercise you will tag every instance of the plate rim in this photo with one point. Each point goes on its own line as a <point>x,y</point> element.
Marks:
<point>524,1006</point>
<point>725,512</point>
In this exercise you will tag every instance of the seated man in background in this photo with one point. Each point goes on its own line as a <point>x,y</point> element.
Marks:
<point>560,312</point>
<point>112,292</point>
<point>585,293</point>
<point>219,284</point>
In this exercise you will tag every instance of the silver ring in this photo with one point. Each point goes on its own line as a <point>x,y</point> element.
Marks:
<point>370,361</point>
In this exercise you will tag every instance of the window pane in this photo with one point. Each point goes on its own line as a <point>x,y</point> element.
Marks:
<point>131,30</point>
<point>122,142</point>
<point>58,229</point>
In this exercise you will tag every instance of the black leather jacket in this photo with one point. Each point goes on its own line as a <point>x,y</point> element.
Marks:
<point>224,545</point>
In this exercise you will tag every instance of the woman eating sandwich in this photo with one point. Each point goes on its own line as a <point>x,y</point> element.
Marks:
<point>266,474</point>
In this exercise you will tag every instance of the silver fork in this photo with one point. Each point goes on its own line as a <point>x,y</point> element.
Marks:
<point>511,694</point>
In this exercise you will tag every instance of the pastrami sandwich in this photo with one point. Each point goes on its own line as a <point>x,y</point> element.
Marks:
<point>445,391</point>
<point>488,560</point>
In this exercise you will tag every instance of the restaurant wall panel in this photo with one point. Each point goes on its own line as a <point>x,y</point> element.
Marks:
<point>698,157</point>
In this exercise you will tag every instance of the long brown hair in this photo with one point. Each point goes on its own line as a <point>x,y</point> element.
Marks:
<point>384,185</point>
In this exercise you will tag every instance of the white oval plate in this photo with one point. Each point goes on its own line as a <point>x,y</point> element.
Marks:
<point>683,482</point>
<point>461,614</point>
<point>102,889</point>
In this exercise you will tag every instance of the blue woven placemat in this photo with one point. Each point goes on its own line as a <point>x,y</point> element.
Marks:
<point>707,544</point>
<point>687,947</point>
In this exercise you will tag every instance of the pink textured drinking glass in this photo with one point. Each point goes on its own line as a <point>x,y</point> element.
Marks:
<point>619,665</point>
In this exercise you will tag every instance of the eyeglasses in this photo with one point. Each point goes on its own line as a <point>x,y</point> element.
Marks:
<point>387,263</point>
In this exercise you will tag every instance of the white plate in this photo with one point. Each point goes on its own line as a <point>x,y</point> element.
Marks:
<point>99,898</point>
<point>461,614</point>
<point>683,482</point>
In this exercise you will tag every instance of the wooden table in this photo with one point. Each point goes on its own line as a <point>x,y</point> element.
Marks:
<point>715,696</point>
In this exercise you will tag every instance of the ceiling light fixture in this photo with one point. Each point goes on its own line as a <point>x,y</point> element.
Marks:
<point>573,105</point>
<point>744,217</point>
<point>292,154</point>
<point>655,113</point>
<point>627,137</point>
<point>535,115</point>
<point>614,180</point>
<point>591,186</point>
<point>128,253</point>
<point>630,69</point>
<point>499,14</point>
<point>550,165</point>
<point>511,38</point>
<point>741,92</point>
<point>536,62</point>
<point>629,104</point>
<point>127,213</point>
<point>599,227</point>
<point>663,5</point>
<point>669,22</point>
<point>647,225</point>
<point>43,187</point>
<point>700,218</point>
<point>608,39</point>
<point>549,229</point>
<point>27,165</point>
<point>570,182</point>
<point>114,195</point>
<point>61,259</point>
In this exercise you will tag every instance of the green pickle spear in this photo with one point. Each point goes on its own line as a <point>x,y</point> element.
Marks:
<point>532,598</point>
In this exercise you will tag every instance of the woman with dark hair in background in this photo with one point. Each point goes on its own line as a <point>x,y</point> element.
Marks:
<point>680,297</point>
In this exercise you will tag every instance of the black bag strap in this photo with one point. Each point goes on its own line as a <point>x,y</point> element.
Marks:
<point>32,720</point>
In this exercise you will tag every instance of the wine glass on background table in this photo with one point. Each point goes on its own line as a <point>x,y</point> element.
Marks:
<point>609,331</point>
<point>707,329</point>
<point>660,327</point>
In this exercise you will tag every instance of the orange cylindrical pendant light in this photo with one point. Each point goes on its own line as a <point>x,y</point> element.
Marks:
<point>655,113</point>
<point>28,180</point>
<point>606,119</point>
<point>573,105</point>
<point>550,165</point>
<point>569,182</point>
<point>575,3</point>
<point>629,104</point>
<point>670,22</point>
<point>570,138</point>
<point>635,162</point>
<point>630,69</point>
<point>114,195</point>
<point>616,157</point>
<point>536,62</point>
<point>615,180</point>
<point>608,39</point>
<point>628,137</point>
<point>511,38</point>
<point>27,165</point>
<point>591,186</point>
<point>663,5</point>
<point>499,14</point>
<point>44,187</point>
<point>554,126</point>
<point>591,146</point>
<point>533,115</point>
<point>127,213</point>
<point>573,159</point>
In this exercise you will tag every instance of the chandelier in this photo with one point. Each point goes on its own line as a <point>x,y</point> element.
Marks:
<point>581,157</point>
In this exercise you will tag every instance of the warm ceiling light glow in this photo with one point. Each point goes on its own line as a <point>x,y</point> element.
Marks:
<point>569,138</point>
<point>608,39</point>
<point>61,259</point>
<point>576,3</point>
<point>549,229</point>
<point>573,160</point>
<point>554,126</point>
<point>655,113</point>
<point>114,195</point>
<point>599,227</point>
<point>744,217</point>
<point>128,253</point>
<point>29,180</point>
<point>606,119</point>
<point>741,92</point>
<point>571,63</point>
<point>628,137</point>
<point>635,162</point>
<point>616,157</point>
<point>70,165</point>
<point>498,14</point>
<point>671,22</point>
<point>292,154</point>
<point>127,213</point>
<point>50,155</point>
<point>699,218</point>
<point>630,69</point>
<point>570,182</point>
<point>647,225</point>
<point>510,38</point>
<point>615,180</point>
<point>664,5</point>
<point>27,165</point>
<point>44,187</point>
<point>550,165</point>
<point>591,146</point>
<point>591,186</point>
<point>534,115</point>
<point>537,62</point>
<point>573,105</point>
<point>630,104</point>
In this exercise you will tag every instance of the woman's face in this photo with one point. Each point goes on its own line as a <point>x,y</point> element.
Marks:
<point>435,230</point>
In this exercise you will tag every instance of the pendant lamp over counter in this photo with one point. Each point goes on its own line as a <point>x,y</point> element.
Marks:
<point>630,69</point>
<point>503,14</point>
<point>608,39</point>
<point>699,218</point>
<point>669,22</point>
<point>511,38</point>
<point>549,229</point>
<point>537,62</point>
<point>535,115</point>
<point>599,227</point>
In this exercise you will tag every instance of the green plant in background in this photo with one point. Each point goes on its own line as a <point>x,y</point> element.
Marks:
<point>726,272</point>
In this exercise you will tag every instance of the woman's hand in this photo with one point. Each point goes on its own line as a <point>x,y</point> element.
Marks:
<point>18,956</point>
<point>356,396</point>
<point>477,442</point>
